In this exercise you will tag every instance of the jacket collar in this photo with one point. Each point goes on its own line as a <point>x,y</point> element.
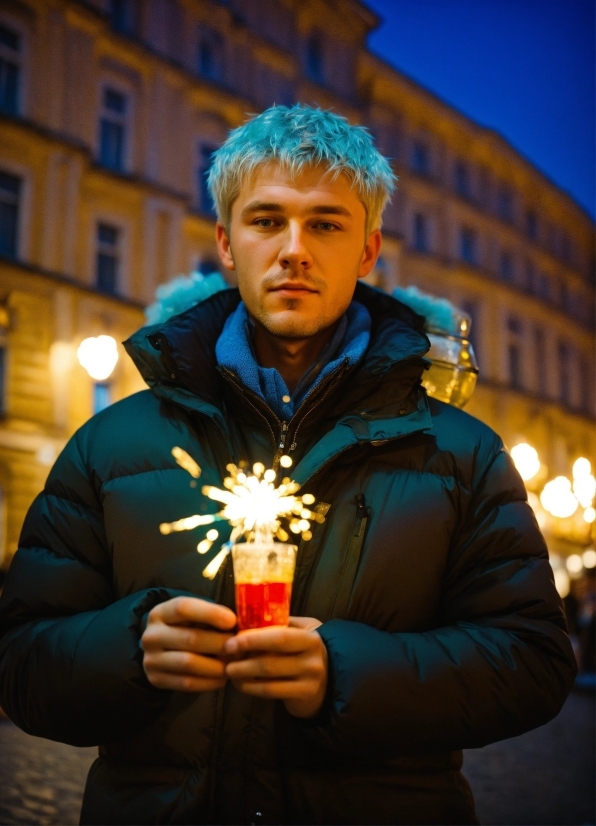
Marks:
<point>177,360</point>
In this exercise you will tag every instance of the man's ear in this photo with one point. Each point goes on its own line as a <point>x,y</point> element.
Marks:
<point>223,246</point>
<point>371,253</point>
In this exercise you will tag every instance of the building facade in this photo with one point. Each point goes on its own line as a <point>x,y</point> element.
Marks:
<point>109,113</point>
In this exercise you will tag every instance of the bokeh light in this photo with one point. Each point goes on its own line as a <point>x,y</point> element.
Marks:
<point>558,499</point>
<point>526,460</point>
<point>98,356</point>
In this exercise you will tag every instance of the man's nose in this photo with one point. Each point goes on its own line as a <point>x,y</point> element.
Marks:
<point>294,252</point>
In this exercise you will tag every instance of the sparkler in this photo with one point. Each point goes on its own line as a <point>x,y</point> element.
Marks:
<point>253,505</point>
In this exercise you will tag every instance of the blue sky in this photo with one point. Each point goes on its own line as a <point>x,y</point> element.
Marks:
<point>522,67</point>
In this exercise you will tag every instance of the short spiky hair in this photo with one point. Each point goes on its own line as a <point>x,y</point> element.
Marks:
<point>297,137</point>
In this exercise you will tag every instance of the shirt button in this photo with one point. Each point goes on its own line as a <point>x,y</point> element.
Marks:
<point>286,399</point>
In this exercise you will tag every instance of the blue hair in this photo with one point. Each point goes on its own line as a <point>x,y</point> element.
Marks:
<point>297,137</point>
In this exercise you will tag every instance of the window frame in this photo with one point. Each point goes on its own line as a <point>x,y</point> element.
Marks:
<point>124,244</point>
<point>109,83</point>
<point>23,232</point>
<point>472,233</point>
<point>23,86</point>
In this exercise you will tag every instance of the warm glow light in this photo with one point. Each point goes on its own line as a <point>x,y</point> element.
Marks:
<point>526,460</point>
<point>558,499</point>
<point>562,582</point>
<point>574,563</point>
<point>581,467</point>
<point>98,356</point>
<point>589,558</point>
<point>584,488</point>
<point>61,357</point>
<point>589,515</point>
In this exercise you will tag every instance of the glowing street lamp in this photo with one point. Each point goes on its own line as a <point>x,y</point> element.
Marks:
<point>526,460</point>
<point>98,356</point>
<point>584,483</point>
<point>558,499</point>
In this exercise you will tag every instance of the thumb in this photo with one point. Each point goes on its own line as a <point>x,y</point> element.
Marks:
<point>306,623</point>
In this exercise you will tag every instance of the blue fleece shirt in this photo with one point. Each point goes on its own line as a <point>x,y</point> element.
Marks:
<point>235,351</point>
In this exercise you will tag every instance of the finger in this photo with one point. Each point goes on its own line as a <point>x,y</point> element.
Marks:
<point>184,682</point>
<point>274,638</point>
<point>184,662</point>
<point>308,623</point>
<point>274,689</point>
<point>184,610</point>
<point>266,667</point>
<point>159,636</point>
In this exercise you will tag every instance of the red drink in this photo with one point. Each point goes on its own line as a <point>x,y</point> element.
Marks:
<point>263,603</point>
<point>263,574</point>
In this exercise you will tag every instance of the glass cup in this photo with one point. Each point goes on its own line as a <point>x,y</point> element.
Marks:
<point>263,574</point>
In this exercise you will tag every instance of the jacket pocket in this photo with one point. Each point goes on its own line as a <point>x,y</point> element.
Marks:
<point>350,567</point>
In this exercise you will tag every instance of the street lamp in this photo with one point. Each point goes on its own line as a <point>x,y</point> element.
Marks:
<point>526,460</point>
<point>558,499</point>
<point>98,356</point>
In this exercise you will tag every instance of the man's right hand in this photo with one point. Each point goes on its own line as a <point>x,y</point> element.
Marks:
<point>179,654</point>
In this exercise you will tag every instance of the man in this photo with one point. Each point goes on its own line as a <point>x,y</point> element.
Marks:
<point>425,619</point>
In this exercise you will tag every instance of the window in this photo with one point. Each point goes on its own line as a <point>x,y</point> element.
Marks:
<point>421,241</point>
<point>468,245</point>
<point>102,396</point>
<point>108,258</point>
<point>208,266</point>
<point>506,270</point>
<point>211,64</point>
<point>514,351</point>
<point>420,158</point>
<point>505,204</point>
<point>529,277</point>
<point>565,246</point>
<point>462,179</point>
<point>540,360</point>
<point>205,201</point>
<point>10,189</point>
<point>3,346</point>
<point>544,287</point>
<point>10,70</point>
<point>124,16</point>
<point>112,129</point>
<point>585,384</point>
<point>315,63</point>
<point>532,225</point>
<point>564,359</point>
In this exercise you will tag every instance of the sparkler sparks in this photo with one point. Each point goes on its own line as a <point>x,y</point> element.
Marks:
<point>254,507</point>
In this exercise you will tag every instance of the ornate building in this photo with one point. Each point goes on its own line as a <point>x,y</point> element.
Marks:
<point>109,113</point>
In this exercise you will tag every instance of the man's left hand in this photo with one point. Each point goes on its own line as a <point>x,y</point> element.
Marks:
<point>281,663</point>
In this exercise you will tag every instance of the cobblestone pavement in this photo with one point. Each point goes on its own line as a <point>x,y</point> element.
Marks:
<point>543,778</point>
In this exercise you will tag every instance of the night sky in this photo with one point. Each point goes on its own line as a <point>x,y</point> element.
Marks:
<point>522,67</point>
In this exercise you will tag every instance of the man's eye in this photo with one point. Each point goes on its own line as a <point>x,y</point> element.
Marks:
<point>266,223</point>
<point>326,226</point>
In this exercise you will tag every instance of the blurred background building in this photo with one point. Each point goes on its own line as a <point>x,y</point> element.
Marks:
<point>109,113</point>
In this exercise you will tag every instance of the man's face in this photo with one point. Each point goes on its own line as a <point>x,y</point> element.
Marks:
<point>298,246</point>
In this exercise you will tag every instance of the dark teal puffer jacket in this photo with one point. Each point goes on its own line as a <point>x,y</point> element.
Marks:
<point>442,623</point>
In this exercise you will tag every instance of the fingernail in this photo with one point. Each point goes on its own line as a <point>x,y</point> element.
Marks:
<point>231,646</point>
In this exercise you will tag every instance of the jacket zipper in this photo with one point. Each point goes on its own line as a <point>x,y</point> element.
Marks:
<point>330,384</point>
<point>232,379</point>
<point>350,567</point>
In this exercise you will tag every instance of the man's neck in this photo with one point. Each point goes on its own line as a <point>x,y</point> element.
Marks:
<point>291,357</point>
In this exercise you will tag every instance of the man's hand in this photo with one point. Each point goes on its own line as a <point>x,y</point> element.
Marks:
<point>178,654</point>
<point>288,664</point>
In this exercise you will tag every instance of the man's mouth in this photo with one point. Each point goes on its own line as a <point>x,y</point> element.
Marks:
<point>293,289</point>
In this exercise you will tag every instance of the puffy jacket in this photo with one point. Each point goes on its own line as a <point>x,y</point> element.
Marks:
<point>442,623</point>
